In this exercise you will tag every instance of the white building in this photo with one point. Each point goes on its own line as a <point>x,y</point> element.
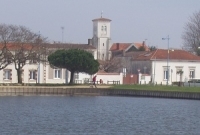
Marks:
<point>101,38</point>
<point>99,46</point>
<point>163,70</point>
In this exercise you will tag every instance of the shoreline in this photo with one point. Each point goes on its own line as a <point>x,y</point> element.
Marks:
<point>86,91</point>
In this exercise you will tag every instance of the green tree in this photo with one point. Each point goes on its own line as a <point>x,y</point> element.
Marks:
<point>74,60</point>
<point>152,48</point>
<point>141,48</point>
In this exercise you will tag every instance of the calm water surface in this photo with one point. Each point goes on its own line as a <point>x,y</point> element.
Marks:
<point>63,115</point>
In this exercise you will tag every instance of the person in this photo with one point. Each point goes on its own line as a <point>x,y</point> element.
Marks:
<point>101,81</point>
<point>94,80</point>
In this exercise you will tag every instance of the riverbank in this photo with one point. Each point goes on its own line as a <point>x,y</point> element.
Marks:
<point>100,91</point>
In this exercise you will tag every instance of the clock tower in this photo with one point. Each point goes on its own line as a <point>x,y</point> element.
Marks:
<point>101,38</point>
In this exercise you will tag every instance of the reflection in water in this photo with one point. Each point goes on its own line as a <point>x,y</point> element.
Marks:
<point>56,115</point>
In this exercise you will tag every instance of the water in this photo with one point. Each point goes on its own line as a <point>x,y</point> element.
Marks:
<point>82,115</point>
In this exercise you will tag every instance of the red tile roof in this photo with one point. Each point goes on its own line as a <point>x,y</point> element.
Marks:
<point>12,46</point>
<point>70,46</point>
<point>124,46</point>
<point>120,46</point>
<point>138,45</point>
<point>102,19</point>
<point>162,54</point>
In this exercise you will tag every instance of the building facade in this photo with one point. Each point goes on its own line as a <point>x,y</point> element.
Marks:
<point>101,38</point>
<point>42,72</point>
<point>181,66</point>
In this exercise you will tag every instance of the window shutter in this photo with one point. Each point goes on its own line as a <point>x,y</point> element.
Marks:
<point>35,74</point>
<point>64,73</point>
<point>50,73</point>
<point>60,73</point>
<point>22,74</point>
<point>10,77</point>
<point>4,74</point>
<point>29,74</point>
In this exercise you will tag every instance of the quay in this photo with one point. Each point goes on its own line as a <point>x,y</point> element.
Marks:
<point>86,91</point>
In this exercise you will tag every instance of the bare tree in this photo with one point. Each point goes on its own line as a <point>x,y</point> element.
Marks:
<point>112,65</point>
<point>5,58</point>
<point>191,35</point>
<point>22,45</point>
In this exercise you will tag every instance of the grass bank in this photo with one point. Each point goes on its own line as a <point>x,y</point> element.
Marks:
<point>157,88</point>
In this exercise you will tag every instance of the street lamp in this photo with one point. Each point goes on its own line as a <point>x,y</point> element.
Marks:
<point>167,38</point>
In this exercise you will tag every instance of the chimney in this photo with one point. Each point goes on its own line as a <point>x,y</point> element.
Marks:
<point>143,43</point>
<point>89,41</point>
<point>117,46</point>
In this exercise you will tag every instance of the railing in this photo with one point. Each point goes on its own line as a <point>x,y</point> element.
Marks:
<point>191,84</point>
<point>113,82</point>
<point>78,81</point>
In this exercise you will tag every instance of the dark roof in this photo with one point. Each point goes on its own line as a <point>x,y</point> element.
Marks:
<point>101,19</point>
<point>162,54</point>
<point>134,54</point>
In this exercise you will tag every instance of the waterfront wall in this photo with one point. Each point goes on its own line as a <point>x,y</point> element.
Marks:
<point>30,91</point>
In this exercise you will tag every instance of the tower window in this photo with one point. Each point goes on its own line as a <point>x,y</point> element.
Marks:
<point>101,28</point>
<point>105,28</point>
<point>103,44</point>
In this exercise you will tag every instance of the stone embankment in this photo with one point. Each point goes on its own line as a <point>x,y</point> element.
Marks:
<point>102,91</point>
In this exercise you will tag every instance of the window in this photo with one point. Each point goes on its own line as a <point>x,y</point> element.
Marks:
<point>32,74</point>
<point>32,61</point>
<point>76,76</point>
<point>124,72</point>
<point>7,74</point>
<point>101,28</point>
<point>166,74</point>
<point>103,56</point>
<point>192,74</point>
<point>57,73</point>
<point>103,44</point>
<point>105,28</point>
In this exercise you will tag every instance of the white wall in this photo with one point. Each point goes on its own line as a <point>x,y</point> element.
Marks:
<point>101,33</point>
<point>186,66</point>
<point>110,77</point>
<point>103,41</point>
<point>83,76</point>
<point>144,79</point>
<point>25,76</point>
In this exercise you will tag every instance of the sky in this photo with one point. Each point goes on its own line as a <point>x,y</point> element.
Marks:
<point>132,20</point>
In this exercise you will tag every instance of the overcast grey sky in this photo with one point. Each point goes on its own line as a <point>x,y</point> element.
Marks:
<point>132,20</point>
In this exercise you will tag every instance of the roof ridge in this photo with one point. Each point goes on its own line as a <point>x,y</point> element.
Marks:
<point>154,54</point>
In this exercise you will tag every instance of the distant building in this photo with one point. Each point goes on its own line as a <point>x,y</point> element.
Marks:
<point>155,64</point>
<point>101,38</point>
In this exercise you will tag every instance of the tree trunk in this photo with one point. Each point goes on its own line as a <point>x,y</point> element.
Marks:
<point>180,82</point>
<point>19,76</point>
<point>72,77</point>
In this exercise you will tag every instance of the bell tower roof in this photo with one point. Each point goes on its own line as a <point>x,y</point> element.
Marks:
<point>102,19</point>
